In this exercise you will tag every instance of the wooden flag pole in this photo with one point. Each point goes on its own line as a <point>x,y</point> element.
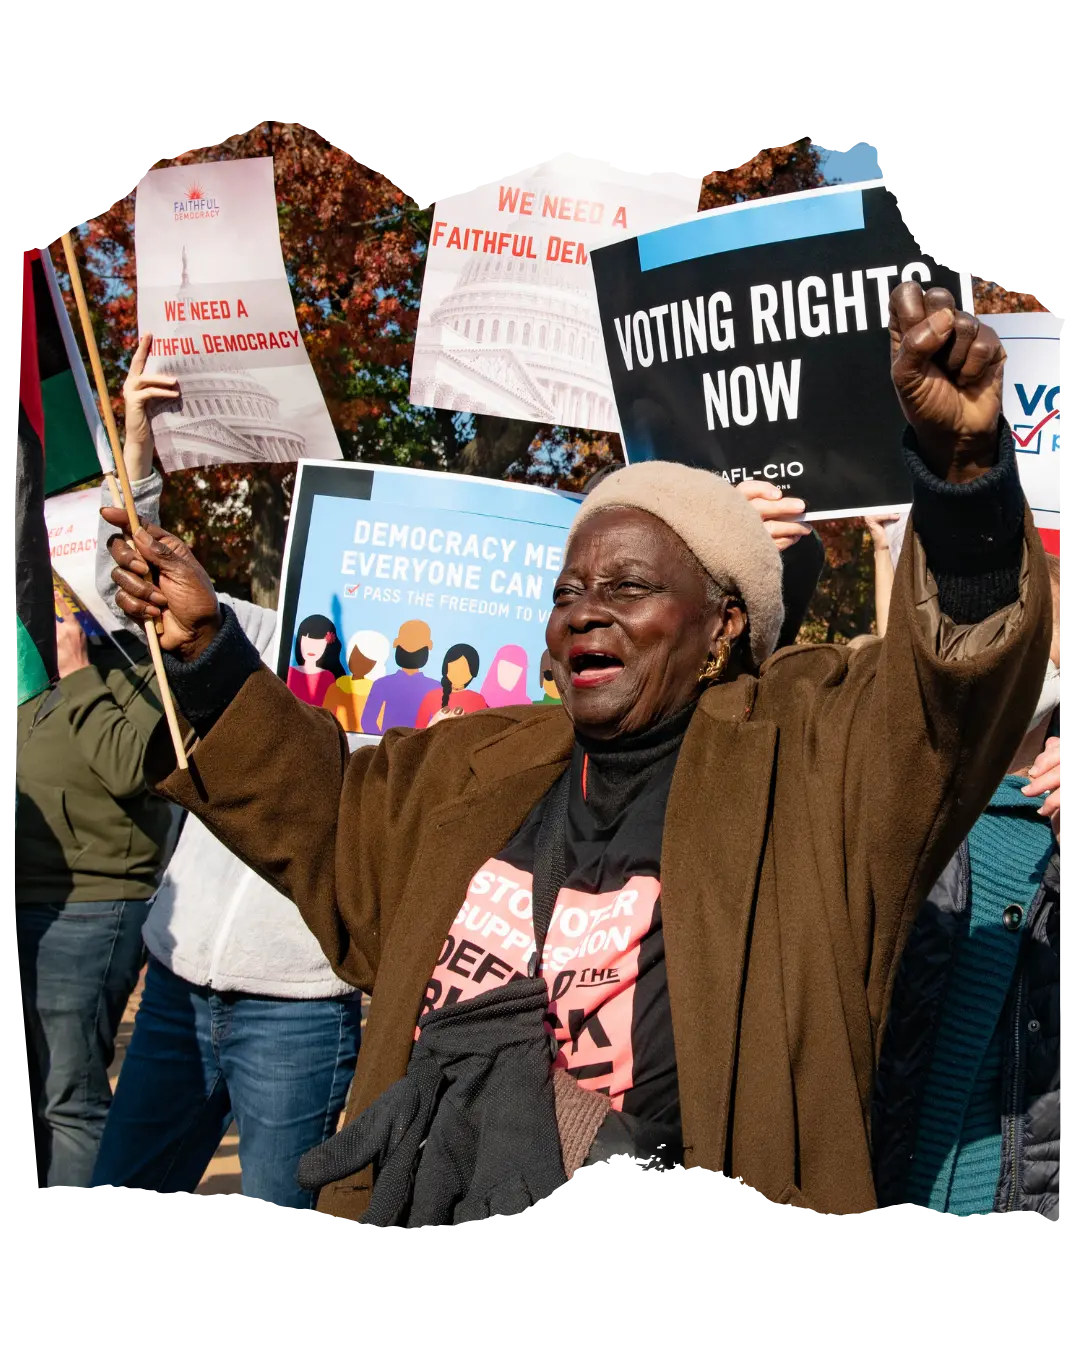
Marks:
<point>127,499</point>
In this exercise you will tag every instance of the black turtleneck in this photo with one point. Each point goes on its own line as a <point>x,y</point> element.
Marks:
<point>619,769</point>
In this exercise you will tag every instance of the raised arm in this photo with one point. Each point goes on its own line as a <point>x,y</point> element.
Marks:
<point>969,631</point>
<point>801,550</point>
<point>141,393</point>
<point>884,571</point>
<point>110,727</point>
<point>905,740</point>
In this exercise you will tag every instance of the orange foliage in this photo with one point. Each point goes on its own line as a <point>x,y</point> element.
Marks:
<point>771,173</point>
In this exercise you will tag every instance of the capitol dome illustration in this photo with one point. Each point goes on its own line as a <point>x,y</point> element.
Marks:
<point>516,337</point>
<point>225,412</point>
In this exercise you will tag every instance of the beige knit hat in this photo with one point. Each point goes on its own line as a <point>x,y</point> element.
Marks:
<point>719,527</point>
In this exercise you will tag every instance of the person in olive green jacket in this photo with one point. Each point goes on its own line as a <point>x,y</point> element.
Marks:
<point>90,843</point>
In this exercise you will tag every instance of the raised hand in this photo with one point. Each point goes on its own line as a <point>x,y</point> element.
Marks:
<point>777,512</point>
<point>72,652</point>
<point>158,577</point>
<point>947,368</point>
<point>878,534</point>
<point>141,393</point>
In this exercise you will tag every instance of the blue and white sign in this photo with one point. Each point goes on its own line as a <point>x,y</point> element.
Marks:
<point>1031,402</point>
<point>405,592</point>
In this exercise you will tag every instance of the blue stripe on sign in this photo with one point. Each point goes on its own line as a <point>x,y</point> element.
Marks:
<point>831,213</point>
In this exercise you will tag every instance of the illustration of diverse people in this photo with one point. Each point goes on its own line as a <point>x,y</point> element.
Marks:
<point>547,681</point>
<point>365,698</point>
<point>506,681</point>
<point>460,667</point>
<point>317,656</point>
<point>394,700</point>
<point>367,653</point>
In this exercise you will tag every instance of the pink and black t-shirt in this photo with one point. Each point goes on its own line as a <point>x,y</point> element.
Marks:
<point>604,954</point>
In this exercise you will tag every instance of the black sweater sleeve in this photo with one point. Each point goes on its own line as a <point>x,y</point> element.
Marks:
<point>972,532</point>
<point>205,687</point>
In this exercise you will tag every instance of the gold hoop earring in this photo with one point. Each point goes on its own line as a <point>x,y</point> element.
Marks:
<point>714,666</point>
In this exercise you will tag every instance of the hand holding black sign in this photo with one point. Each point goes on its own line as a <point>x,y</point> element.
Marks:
<point>947,368</point>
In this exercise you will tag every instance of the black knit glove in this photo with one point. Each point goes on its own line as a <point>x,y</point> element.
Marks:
<point>390,1134</point>
<point>470,1130</point>
<point>494,1144</point>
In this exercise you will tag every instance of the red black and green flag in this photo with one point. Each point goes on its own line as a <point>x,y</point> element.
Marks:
<point>54,448</point>
<point>35,636</point>
<point>75,443</point>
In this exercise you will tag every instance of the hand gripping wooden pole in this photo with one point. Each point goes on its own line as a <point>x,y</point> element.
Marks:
<point>127,499</point>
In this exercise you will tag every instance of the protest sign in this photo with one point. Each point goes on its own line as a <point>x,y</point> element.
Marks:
<point>405,591</point>
<point>508,322</point>
<point>72,521</point>
<point>1031,401</point>
<point>212,289</point>
<point>753,340</point>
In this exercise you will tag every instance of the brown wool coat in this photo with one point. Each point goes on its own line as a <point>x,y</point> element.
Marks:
<point>811,808</point>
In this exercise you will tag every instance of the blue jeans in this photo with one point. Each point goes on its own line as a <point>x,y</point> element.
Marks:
<point>79,963</point>
<point>198,1059</point>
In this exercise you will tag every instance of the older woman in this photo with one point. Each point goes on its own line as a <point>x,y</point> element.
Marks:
<point>731,846</point>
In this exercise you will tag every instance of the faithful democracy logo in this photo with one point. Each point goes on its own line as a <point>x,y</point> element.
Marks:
<point>196,205</point>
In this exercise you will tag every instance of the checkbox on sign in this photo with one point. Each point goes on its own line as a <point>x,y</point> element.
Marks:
<point>351,592</point>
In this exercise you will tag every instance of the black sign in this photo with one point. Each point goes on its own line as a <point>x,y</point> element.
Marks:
<point>754,341</point>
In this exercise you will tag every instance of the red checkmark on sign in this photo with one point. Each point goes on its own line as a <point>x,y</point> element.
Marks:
<point>1024,441</point>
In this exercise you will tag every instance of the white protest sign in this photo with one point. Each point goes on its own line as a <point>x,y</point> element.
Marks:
<point>72,521</point>
<point>1031,402</point>
<point>508,320</point>
<point>213,291</point>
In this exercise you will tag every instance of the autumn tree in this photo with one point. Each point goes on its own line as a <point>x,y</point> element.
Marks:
<point>771,173</point>
<point>990,298</point>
